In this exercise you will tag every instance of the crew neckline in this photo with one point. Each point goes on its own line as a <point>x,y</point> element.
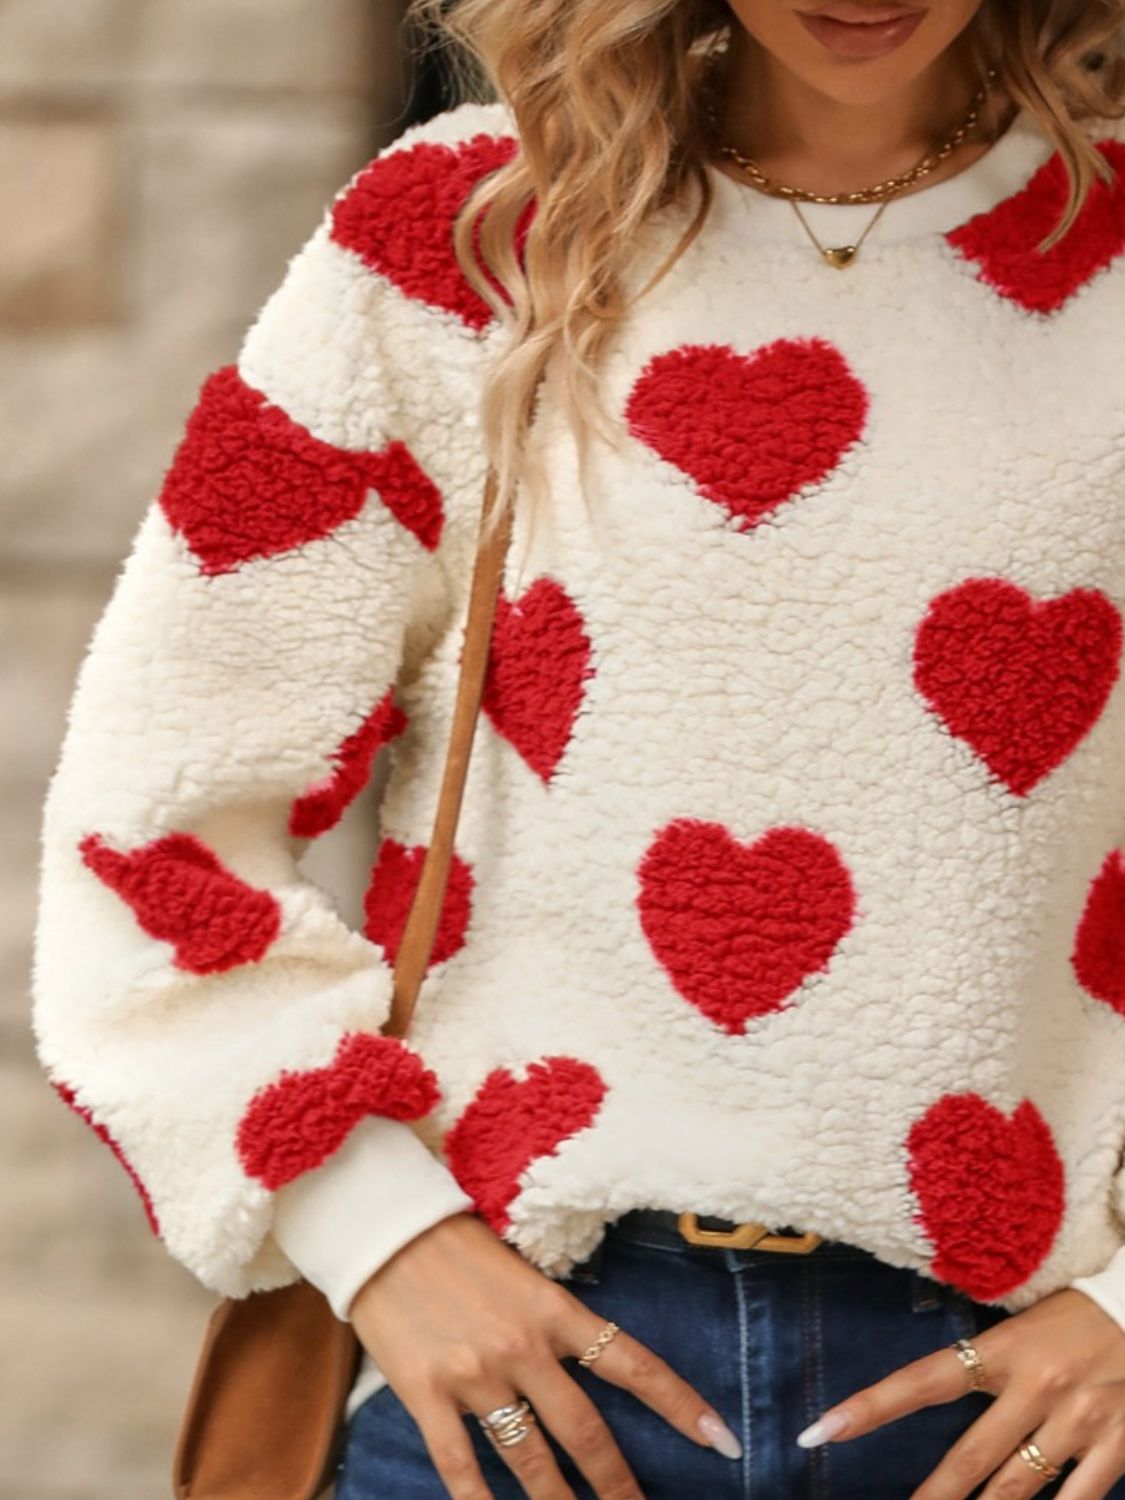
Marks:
<point>996,174</point>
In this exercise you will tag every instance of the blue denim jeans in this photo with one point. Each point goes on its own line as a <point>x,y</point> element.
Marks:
<point>770,1339</point>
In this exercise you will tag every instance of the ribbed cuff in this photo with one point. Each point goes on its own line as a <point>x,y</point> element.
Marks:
<point>344,1219</point>
<point>1107,1287</point>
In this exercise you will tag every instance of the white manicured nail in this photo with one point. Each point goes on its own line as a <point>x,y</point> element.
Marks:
<point>829,1426</point>
<point>719,1435</point>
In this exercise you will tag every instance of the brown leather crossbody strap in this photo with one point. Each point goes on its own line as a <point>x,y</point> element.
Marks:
<point>417,941</point>
<point>265,1412</point>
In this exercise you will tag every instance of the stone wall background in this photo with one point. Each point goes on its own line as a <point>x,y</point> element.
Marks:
<point>160,162</point>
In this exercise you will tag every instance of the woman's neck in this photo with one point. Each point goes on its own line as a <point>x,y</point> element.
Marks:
<point>802,137</point>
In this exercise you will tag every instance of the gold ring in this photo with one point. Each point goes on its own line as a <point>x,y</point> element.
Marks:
<point>972,1361</point>
<point>1032,1454</point>
<point>603,1338</point>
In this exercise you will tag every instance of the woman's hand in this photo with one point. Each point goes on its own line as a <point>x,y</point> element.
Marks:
<point>458,1321</point>
<point>1057,1371</point>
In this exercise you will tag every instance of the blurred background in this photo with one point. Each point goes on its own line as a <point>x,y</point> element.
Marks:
<point>160,161</point>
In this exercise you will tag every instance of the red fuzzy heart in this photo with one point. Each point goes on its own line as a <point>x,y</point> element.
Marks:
<point>398,218</point>
<point>69,1097</point>
<point>1002,240</point>
<point>390,892</point>
<point>991,1191</point>
<point>247,481</point>
<point>1021,680</point>
<point>294,1123</point>
<point>738,927</point>
<point>181,892</point>
<point>538,662</point>
<point>512,1123</point>
<point>752,431</point>
<point>1099,946</point>
<point>323,805</point>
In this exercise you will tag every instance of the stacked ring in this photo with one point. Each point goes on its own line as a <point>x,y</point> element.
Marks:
<point>508,1425</point>
<point>1032,1454</point>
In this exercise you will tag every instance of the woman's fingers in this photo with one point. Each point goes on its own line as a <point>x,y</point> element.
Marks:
<point>451,1451</point>
<point>461,1320</point>
<point>531,1459</point>
<point>578,1425</point>
<point>982,1448</point>
<point>626,1362</point>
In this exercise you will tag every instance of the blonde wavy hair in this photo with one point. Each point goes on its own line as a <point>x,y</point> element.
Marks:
<point>606,103</point>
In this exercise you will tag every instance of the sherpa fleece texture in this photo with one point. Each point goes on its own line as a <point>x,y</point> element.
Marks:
<point>790,881</point>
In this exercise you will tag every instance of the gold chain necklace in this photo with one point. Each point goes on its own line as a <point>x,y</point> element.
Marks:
<point>840,256</point>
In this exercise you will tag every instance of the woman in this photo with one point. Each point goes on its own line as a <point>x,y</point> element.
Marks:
<point>768,1073</point>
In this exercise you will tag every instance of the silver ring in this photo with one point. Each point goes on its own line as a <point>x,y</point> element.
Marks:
<point>508,1425</point>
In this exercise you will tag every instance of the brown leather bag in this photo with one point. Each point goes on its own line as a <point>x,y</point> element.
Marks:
<point>264,1417</point>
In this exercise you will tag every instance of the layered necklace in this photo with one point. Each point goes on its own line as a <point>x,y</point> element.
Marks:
<point>840,256</point>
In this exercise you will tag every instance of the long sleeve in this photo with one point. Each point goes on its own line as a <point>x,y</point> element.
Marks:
<point>1107,1287</point>
<point>194,997</point>
<point>344,1220</point>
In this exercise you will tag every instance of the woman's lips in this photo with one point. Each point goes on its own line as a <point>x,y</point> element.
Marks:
<point>861,38</point>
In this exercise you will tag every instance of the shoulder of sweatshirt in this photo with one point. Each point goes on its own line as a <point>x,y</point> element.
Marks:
<point>374,335</point>
<point>383,252</point>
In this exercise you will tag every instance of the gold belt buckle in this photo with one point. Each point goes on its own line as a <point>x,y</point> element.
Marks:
<point>747,1237</point>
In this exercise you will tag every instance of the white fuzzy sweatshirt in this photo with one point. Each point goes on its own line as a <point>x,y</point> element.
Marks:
<point>790,877</point>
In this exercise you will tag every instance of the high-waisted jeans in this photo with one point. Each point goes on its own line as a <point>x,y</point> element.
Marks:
<point>770,1339</point>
